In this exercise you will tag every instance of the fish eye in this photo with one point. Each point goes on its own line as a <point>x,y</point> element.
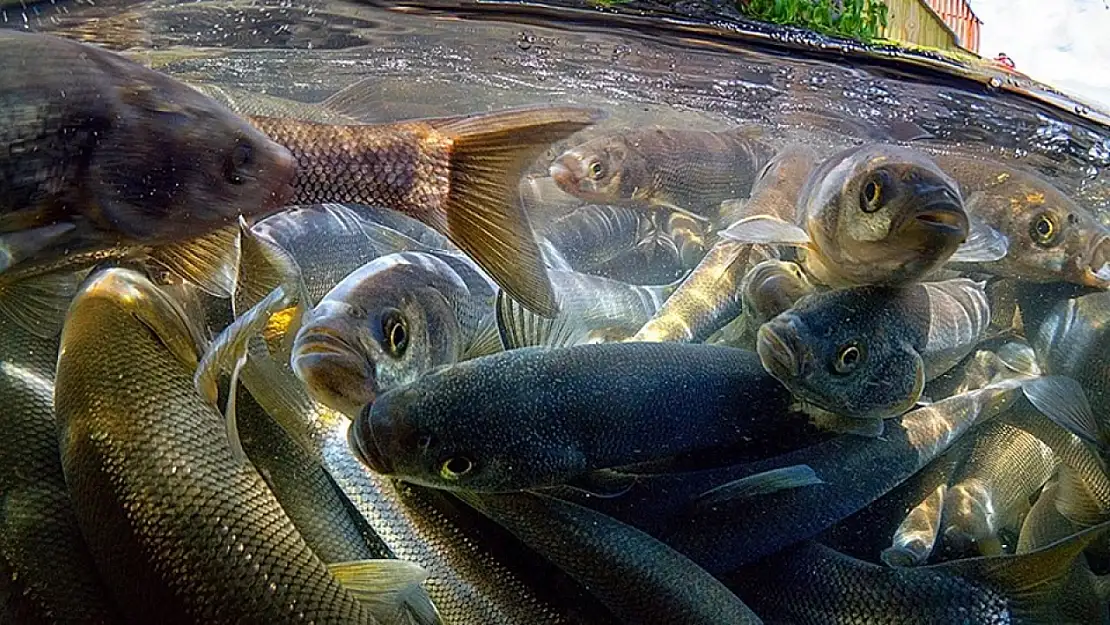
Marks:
<point>1043,230</point>
<point>242,155</point>
<point>871,196</point>
<point>455,467</point>
<point>848,357</point>
<point>596,170</point>
<point>395,329</point>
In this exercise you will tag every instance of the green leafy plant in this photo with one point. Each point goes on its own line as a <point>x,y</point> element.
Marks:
<point>862,20</point>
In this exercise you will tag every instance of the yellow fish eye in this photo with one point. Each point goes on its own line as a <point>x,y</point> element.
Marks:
<point>395,329</point>
<point>455,467</point>
<point>871,196</point>
<point>848,357</point>
<point>1043,230</point>
<point>596,169</point>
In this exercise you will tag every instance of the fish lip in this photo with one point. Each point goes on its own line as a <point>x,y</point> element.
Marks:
<point>777,355</point>
<point>319,342</point>
<point>372,457</point>
<point>1095,272</point>
<point>563,176</point>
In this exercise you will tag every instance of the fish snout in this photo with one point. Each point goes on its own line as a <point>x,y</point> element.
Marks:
<point>363,438</point>
<point>941,210</point>
<point>333,372</point>
<point>779,350</point>
<point>284,174</point>
<point>564,176</point>
<point>1096,271</point>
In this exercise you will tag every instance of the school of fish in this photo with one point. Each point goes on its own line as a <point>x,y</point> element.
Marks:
<point>265,363</point>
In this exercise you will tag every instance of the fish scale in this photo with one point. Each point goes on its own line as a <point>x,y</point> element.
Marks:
<point>182,531</point>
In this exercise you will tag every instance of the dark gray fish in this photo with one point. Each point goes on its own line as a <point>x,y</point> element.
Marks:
<point>865,353</point>
<point>476,425</point>
<point>156,497</point>
<point>637,577</point>
<point>49,566</point>
<point>856,471</point>
<point>812,584</point>
<point>106,159</point>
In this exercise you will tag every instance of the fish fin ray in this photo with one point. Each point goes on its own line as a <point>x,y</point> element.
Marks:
<point>486,340</point>
<point>1074,500</point>
<point>264,266</point>
<point>775,480</point>
<point>1029,580</point>
<point>484,216</point>
<point>1063,400</point>
<point>767,230</point>
<point>39,304</point>
<point>984,244</point>
<point>604,483</point>
<point>211,261</point>
<point>231,344</point>
<point>378,584</point>
<point>519,327</point>
<point>230,420</point>
<point>16,247</point>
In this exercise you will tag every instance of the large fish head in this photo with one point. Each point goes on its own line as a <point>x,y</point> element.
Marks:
<point>603,170</point>
<point>839,354</point>
<point>383,326</point>
<point>172,164</point>
<point>895,206</point>
<point>450,430</point>
<point>1053,238</point>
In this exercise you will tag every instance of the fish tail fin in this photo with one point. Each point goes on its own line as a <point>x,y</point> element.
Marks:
<point>39,304</point>
<point>390,589</point>
<point>210,261</point>
<point>1031,580</point>
<point>484,215</point>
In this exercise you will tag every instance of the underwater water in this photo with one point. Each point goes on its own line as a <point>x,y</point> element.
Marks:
<point>541,313</point>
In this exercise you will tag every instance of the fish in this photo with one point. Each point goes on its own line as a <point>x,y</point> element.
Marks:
<point>874,214</point>
<point>1050,237</point>
<point>692,171</point>
<point>638,577</point>
<point>1044,524</point>
<point>318,509</point>
<point>404,314</point>
<point>712,295</point>
<point>917,534</point>
<point>1072,341</point>
<point>1004,467</point>
<point>855,471</point>
<point>106,159</point>
<point>459,175</point>
<point>769,289</point>
<point>247,102</point>
<point>53,575</point>
<point>865,353</point>
<point>468,580</point>
<point>470,426</point>
<point>389,322</point>
<point>156,498</point>
<point>811,584</point>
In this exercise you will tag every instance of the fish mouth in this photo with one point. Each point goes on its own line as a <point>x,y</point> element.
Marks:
<point>282,191</point>
<point>778,354</point>
<point>563,176</point>
<point>322,342</point>
<point>1096,273</point>
<point>362,437</point>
